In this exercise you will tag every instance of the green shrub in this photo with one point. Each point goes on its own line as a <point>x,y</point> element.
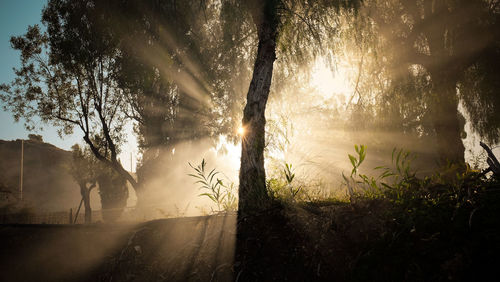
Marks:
<point>430,224</point>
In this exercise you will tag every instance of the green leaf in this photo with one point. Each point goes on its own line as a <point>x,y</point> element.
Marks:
<point>399,156</point>
<point>209,196</point>
<point>385,185</point>
<point>211,175</point>
<point>193,175</point>
<point>386,174</point>
<point>345,178</point>
<point>361,156</point>
<point>353,160</point>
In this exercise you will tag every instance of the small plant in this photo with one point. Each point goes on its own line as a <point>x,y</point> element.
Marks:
<point>284,186</point>
<point>351,182</point>
<point>356,162</point>
<point>222,195</point>
<point>230,200</point>
<point>400,172</point>
<point>289,176</point>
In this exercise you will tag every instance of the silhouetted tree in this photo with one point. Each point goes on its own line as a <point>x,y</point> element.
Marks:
<point>184,66</point>
<point>90,173</point>
<point>297,29</point>
<point>113,191</point>
<point>84,167</point>
<point>165,98</point>
<point>67,74</point>
<point>449,45</point>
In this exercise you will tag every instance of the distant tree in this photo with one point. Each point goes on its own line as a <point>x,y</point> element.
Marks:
<point>443,46</point>
<point>66,77</point>
<point>90,173</point>
<point>84,168</point>
<point>386,106</point>
<point>35,138</point>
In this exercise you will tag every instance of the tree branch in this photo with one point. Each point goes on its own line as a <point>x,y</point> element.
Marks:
<point>492,160</point>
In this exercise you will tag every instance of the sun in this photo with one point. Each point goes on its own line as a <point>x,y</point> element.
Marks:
<point>241,131</point>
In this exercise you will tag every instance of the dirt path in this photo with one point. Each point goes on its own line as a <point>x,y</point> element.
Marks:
<point>194,249</point>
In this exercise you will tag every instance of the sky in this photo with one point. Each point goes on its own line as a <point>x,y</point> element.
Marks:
<point>15,17</point>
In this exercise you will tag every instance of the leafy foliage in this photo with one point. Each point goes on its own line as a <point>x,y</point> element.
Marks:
<point>67,77</point>
<point>284,187</point>
<point>224,196</point>
<point>400,186</point>
<point>84,165</point>
<point>437,210</point>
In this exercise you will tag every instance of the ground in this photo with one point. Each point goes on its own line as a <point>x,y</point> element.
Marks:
<point>322,241</point>
<point>194,249</point>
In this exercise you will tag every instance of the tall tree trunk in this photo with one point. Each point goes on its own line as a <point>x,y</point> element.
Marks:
<point>252,192</point>
<point>85,192</point>
<point>446,119</point>
<point>444,72</point>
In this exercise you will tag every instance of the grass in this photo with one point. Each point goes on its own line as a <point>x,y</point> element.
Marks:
<point>392,226</point>
<point>398,227</point>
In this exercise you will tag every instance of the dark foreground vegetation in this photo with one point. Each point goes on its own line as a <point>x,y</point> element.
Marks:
<point>440,228</point>
<point>417,230</point>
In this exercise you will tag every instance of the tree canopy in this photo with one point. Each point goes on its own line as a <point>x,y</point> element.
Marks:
<point>179,70</point>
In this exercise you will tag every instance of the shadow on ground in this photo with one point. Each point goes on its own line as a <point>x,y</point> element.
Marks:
<point>184,249</point>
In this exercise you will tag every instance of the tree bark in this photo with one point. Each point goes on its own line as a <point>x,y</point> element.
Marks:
<point>252,191</point>
<point>444,71</point>
<point>445,118</point>
<point>88,209</point>
<point>85,192</point>
<point>492,161</point>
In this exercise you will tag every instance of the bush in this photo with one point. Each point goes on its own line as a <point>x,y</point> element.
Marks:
<point>434,227</point>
